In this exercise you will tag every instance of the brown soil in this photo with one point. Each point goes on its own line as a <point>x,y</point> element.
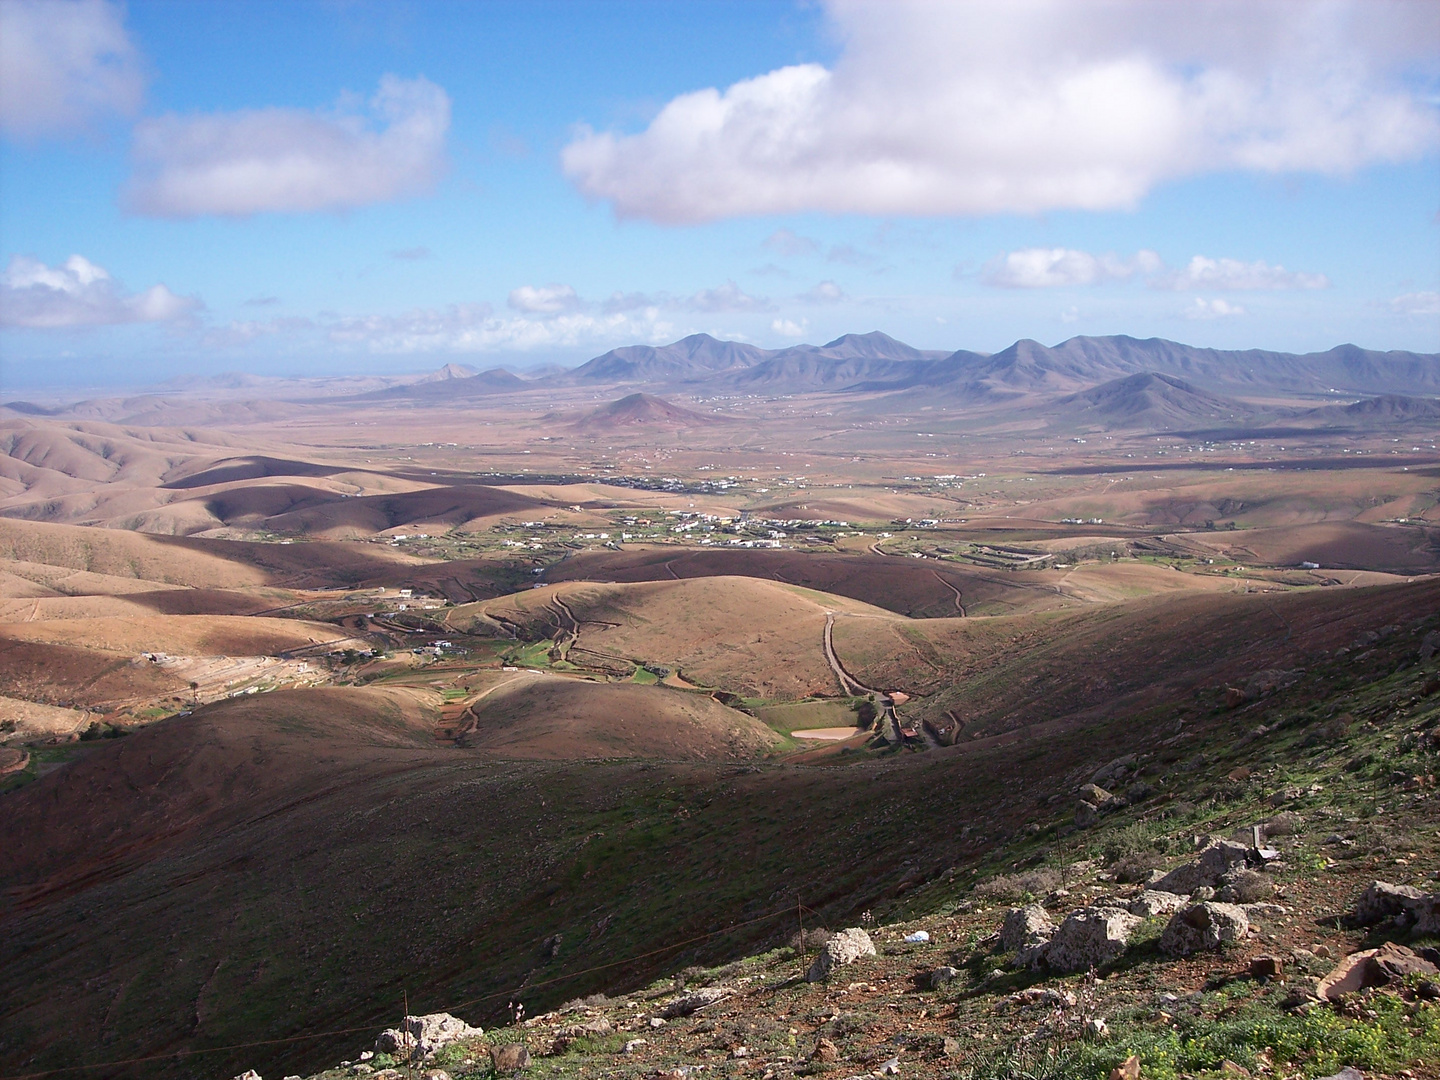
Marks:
<point>550,716</point>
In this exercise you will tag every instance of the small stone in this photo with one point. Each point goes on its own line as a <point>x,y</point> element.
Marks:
<point>1266,967</point>
<point>366,1055</point>
<point>248,1074</point>
<point>657,1021</point>
<point>890,1068</point>
<point>1097,1028</point>
<point>1230,1068</point>
<point>951,1046</point>
<point>1347,1073</point>
<point>510,1057</point>
<point>631,1045</point>
<point>825,1051</point>
<point>1129,1069</point>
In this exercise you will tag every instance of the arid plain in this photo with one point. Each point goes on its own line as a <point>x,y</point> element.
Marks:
<point>321,696</point>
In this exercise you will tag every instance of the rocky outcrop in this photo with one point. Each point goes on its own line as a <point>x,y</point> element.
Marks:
<point>1206,870</point>
<point>1372,967</point>
<point>1151,903</point>
<point>843,948</point>
<point>1401,904</point>
<point>1203,926</point>
<point>418,1036</point>
<point>1025,927</point>
<point>1087,938</point>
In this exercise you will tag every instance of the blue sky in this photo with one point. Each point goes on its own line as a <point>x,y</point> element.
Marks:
<point>333,187</point>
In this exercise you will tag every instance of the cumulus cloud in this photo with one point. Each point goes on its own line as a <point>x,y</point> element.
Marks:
<point>789,327</point>
<point>1212,309</point>
<point>80,293</point>
<point>727,298</point>
<point>65,64</point>
<point>826,292</point>
<point>1416,303</point>
<point>292,160</point>
<point>468,328</point>
<point>1004,107</point>
<point>544,300</point>
<point>241,332</point>
<point>1206,273</point>
<point>1045,268</point>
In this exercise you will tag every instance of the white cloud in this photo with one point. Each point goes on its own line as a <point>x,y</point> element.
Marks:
<point>544,300</point>
<point>79,293</point>
<point>1212,309</point>
<point>240,332</point>
<point>292,160</point>
<point>786,243</point>
<point>1000,107</point>
<point>826,292</point>
<point>790,328</point>
<point>727,298</point>
<point>469,328</point>
<point>1416,303</point>
<point>64,65</point>
<point>1043,268</point>
<point>1206,273</point>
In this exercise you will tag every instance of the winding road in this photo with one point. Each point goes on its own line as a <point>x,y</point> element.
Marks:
<point>890,723</point>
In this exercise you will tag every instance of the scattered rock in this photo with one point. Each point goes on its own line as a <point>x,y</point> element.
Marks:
<point>1129,1069</point>
<point>843,948</point>
<point>1086,814</point>
<point>890,1068</point>
<point>1151,903</point>
<point>658,1021</point>
<point>1301,992</point>
<point>942,975</point>
<point>631,1045</point>
<point>1349,1072</point>
<point>1096,1028</point>
<point>1025,927</point>
<point>1230,1068</point>
<point>418,1036</point>
<point>1088,938</point>
<point>1203,926</point>
<point>510,1057</point>
<point>951,1047</point>
<point>248,1074</point>
<point>825,1051</point>
<point>1206,870</point>
<point>695,1001</point>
